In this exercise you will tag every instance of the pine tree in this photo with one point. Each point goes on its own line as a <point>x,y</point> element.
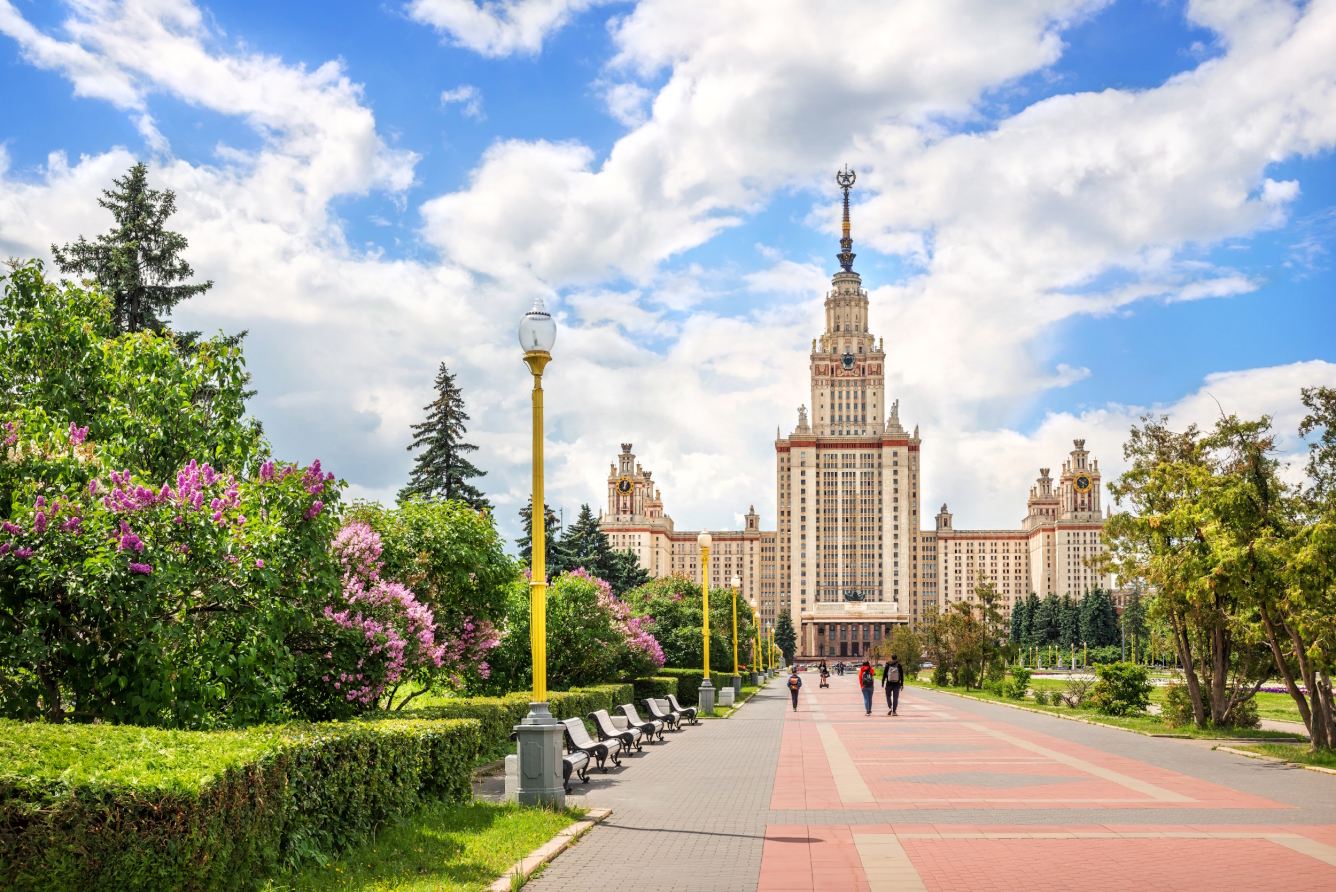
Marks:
<point>785,638</point>
<point>556,561</point>
<point>584,544</point>
<point>137,262</point>
<point>441,471</point>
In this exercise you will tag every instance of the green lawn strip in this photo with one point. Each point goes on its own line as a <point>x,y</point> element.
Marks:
<point>1292,752</point>
<point>442,848</point>
<point>723,712</point>
<point>1140,724</point>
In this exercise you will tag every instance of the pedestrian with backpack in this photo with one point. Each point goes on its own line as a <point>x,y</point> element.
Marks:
<point>795,685</point>
<point>892,676</point>
<point>867,679</point>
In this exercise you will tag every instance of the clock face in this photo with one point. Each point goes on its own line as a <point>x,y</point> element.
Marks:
<point>624,485</point>
<point>848,361</point>
<point>1082,483</point>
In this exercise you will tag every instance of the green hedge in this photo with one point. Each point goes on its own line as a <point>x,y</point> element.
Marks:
<point>121,807</point>
<point>654,687</point>
<point>689,680</point>
<point>499,715</point>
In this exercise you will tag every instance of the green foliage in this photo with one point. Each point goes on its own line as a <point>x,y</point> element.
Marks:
<point>675,604</point>
<point>906,644</point>
<point>592,638</point>
<point>1178,711</point>
<point>448,553</point>
<point>441,471</point>
<point>137,262</point>
<point>786,639</point>
<point>585,545</point>
<point>114,807</point>
<point>689,682</point>
<point>1020,620</point>
<point>1044,625</point>
<point>1098,619</point>
<point>1069,623</point>
<point>659,687</point>
<point>1041,696</point>
<point>148,405</point>
<point>1122,689</point>
<point>554,554</point>
<point>1019,684</point>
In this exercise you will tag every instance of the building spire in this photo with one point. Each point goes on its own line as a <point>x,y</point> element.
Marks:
<point>846,179</point>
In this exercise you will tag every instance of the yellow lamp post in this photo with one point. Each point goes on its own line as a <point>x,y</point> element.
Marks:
<point>756,621</point>
<point>736,679</point>
<point>705,704</point>
<point>538,734</point>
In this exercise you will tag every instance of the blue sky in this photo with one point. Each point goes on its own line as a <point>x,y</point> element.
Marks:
<point>1067,213</point>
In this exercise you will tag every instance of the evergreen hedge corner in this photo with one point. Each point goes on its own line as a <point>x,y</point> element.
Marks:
<point>659,688</point>
<point>121,807</point>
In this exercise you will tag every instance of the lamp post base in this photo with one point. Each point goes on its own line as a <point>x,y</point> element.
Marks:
<point>705,704</point>
<point>539,743</point>
<point>737,685</point>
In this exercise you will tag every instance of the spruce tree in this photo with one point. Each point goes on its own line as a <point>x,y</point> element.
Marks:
<point>1031,610</point>
<point>1044,626</point>
<point>138,261</point>
<point>785,638</point>
<point>584,544</point>
<point>1099,619</point>
<point>441,471</point>
<point>556,560</point>
<point>1018,622</point>
<point>1069,623</point>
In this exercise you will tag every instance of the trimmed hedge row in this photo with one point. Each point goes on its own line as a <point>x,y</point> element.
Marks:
<point>498,716</point>
<point>121,807</point>
<point>654,687</point>
<point>689,681</point>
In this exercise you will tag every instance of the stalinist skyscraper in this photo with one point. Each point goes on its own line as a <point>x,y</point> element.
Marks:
<point>848,484</point>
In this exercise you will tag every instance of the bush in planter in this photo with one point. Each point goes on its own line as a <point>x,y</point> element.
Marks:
<point>1122,689</point>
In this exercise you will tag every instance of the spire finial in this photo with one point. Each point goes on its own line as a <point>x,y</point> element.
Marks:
<point>846,179</point>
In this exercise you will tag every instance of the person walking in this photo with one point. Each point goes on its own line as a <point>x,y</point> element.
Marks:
<point>892,676</point>
<point>795,685</point>
<point>825,675</point>
<point>867,679</point>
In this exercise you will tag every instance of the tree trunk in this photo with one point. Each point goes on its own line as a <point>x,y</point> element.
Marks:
<point>1319,727</point>
<point>1219,673</point>
<point>1296,694</point>
<point>1184,648</point>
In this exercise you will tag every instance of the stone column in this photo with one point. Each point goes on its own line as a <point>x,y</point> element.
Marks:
<point>539,746</point>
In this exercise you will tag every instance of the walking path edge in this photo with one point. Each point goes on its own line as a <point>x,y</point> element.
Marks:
<point>549,850</point>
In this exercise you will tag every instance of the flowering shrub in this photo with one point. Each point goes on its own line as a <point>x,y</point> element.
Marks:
<point>592,637</point>
<point>374,636</point>
<point>167,603</point>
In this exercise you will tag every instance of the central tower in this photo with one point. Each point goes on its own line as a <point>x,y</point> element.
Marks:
<point>847,483</point>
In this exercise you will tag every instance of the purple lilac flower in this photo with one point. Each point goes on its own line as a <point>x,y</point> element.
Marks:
<point>71,525</point>
<point>23,553</point>
<point>129,539</point>
<point>39,523</point>
<point>141,568</point>
<point>259,563</point>
<point>11,528</point>
<point>77,434</point>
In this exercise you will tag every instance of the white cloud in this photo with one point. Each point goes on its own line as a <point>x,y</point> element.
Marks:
<point>498,27</point>
<point>468,96</point>
<point>1081,204</point>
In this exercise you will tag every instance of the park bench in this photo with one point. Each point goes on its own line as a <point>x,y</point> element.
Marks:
<point>633,719</point>
<point>671,719</point>
<point>688,711</point>
<point>574,763</point>
<point>578,740</point>
<point>608,731</point>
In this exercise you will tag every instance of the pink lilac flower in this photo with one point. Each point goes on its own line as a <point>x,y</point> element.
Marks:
<point>39,523</point>
<point>267,471</point>
<point>129,539</point>
<point>315,509</point>
<point>259,563</point>
<point>71,525</point>
<point>141,568</point>
<point>77,434</point>
<point>40,503</point>
<point>10,437</point>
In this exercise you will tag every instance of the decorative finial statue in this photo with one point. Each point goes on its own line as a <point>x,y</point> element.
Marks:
<point>846,179</point>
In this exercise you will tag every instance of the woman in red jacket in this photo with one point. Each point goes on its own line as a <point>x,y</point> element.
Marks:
<point>867,679</point>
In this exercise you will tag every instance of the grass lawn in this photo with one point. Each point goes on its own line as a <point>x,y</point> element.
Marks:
<point>443,848</point>
<point>1293,752</point>
<point>1148,724</point>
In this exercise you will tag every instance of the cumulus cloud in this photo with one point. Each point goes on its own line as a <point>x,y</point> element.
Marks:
<point>498,28</point>
<point>1080,204</point>
<point>469,97</point>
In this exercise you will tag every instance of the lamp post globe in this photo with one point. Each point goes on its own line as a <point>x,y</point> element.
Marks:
<point>736,680</point>
<point>705,704</point>
<point>538,736</point>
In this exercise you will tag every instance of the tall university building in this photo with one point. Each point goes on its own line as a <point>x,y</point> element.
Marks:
<point>851,554</point>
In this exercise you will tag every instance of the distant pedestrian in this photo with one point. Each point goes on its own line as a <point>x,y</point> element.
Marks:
<point>892,676</point>
<point>825,675</point>
<point>795,685</point>
<point>867,679</point>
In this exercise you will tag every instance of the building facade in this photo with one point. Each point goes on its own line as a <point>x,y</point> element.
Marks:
<point>1063,531</point>
<point>635,520</point>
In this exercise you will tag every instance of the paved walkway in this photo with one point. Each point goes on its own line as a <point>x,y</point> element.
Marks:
<point>952,794</point>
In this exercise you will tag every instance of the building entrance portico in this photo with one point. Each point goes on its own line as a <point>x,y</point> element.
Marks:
<point>848,629</point>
